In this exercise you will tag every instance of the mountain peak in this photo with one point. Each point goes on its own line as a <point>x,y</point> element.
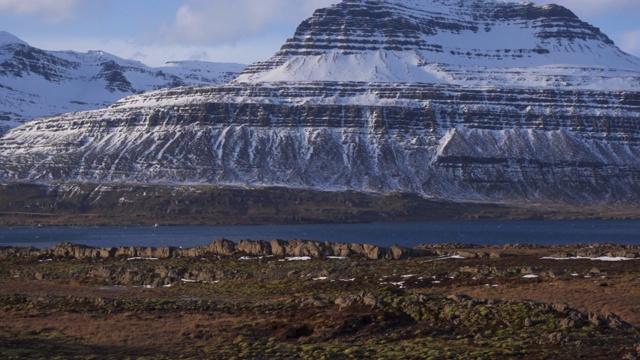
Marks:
<point>429,3</point>
<point>478,42</point>
<point>8,38</point>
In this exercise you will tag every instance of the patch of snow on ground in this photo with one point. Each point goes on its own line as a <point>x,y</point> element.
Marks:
<point>603,258</point>
<point>297,258</point>
<point>197,281</point>
<point>399,284</point>
<point>246,258</point>
<point>454,257</point>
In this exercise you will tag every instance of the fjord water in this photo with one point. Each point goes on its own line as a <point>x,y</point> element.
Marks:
<point>542,232</point>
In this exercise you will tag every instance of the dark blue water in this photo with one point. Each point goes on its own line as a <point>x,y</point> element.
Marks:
<point>542,232</point>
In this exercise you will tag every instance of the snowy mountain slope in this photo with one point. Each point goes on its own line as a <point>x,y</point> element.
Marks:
<point>354,111</point>
<point>471,43</point>
<point>36,83</point>
<point>443,141</point>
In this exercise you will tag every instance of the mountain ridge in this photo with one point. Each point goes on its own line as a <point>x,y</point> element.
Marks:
<point>38,83</point>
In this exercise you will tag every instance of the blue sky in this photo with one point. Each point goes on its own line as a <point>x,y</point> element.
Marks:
<point>244,31</point>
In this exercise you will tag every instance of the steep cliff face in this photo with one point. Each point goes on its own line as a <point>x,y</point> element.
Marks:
<point>440,141</point>
<point>560,131</point>
<point>36,83</point>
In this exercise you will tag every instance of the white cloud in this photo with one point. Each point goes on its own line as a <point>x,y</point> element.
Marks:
<point>154,55</point>
<point>630,42</point>
<point>216,22</point>
<point>244,52</point>
<point>53,11</point>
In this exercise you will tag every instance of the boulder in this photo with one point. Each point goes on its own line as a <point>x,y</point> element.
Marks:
<point>341,249</point>
<point>223,247</point>
<point>278,247</point>
<point>254,248</point>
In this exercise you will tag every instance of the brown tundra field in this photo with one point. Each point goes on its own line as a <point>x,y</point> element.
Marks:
<point>309,300</point>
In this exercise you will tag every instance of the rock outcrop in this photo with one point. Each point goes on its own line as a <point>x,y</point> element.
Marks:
<point>304,248</point>
<point>220,247</point>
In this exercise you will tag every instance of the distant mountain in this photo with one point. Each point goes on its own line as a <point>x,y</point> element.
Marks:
<point>476,100</point>
<point>37,83</point>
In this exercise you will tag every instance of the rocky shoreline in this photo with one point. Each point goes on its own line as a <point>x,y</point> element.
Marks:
<point>221,247</point>
<point>312,249</point>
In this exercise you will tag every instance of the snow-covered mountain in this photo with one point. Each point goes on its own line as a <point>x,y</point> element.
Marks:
<point>464,100</point>
<point>37,83</point>
<point>468,43</point>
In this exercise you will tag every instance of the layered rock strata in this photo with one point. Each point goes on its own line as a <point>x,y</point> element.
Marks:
<point>467,101</point>
<point>441,141</point>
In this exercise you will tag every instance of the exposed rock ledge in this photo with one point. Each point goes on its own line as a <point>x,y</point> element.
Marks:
<point>313,249</point>
<point>222,247</point>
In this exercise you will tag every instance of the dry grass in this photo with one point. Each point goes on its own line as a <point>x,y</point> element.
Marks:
<point>276,310</point>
